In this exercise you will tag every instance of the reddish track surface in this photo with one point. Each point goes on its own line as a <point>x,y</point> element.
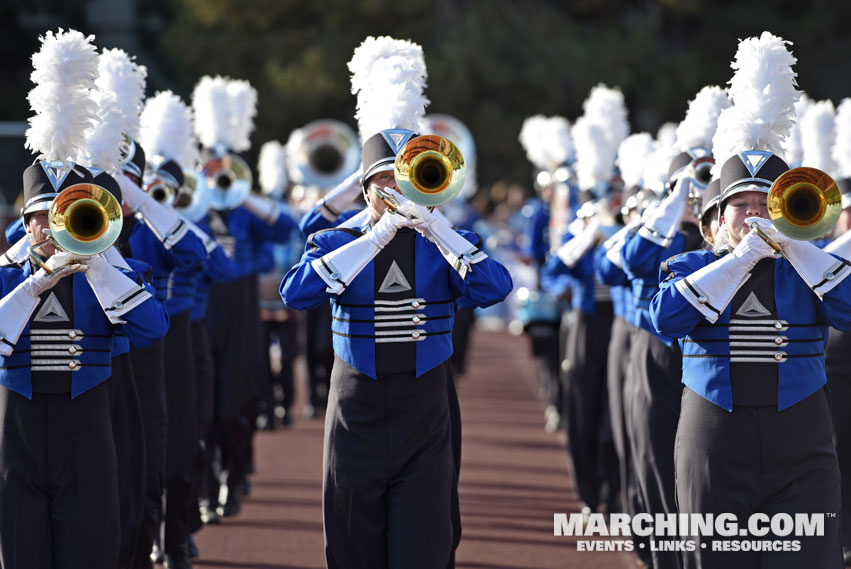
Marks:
<point>513,478</point>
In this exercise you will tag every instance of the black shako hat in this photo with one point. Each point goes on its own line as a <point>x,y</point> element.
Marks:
<point>44,179</point>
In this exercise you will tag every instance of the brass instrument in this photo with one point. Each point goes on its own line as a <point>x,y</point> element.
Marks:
<point>84,219</point>
<point>430,170</point>
<point>803,203</point>
<point>229,180</point>
<point>700,174</point>
<point>322,154</point>
<point>161,191</point>
<point>193,198</point>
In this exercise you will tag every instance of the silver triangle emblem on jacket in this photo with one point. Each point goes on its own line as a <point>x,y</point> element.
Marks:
<point>51,311</point>
<point>752,307</point>
<point>394,281</point>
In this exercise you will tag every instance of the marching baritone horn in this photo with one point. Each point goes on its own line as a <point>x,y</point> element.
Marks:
<point>803,203</point>
<point>193,198</point>
<point>229,180</point>
<point>430,170</point>
<point>322,153</point>
<point>84,219</point>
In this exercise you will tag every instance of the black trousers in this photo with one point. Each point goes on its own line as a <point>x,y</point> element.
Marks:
<point>455,441</point>
<point>618,365</point>
<point>129,435</point>
<point>837,363</point>
<point>182,439</point>
<point>545,342</point>
<point>58,481</point>
<point>654,413</point>
<point>461,330</point>
<point>205,397</point>
<point>286,333</point>
<point>230,339</point>
<point>149,374</point>
<point>759,460</point>
<point>388,470</point>
<point>586,404</point>
<point>319,353</point>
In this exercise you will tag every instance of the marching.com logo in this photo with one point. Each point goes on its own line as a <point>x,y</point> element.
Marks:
<point>690,531</point>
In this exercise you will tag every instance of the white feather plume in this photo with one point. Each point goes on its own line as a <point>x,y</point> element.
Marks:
<point>243,109</point>
<point>167,129</point>
<point>594,157</point>
<point>272,165</point>
<point>558,142</point>
<point>842,146</point>
<point>122,78</point>
<point>532,139</point>
<point>666,136</point>
<point>701,120</point>
<point>211,107</point>
<point>605,107</point>
<point>633,156</point>
<point>388,77</point>
<point>763,90</point>
<point>793,149</point>
<point>818,133</point>
<point>64,72</point>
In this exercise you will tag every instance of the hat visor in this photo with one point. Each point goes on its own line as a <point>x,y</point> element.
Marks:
<point>744,188</point>
<point>378,168</point>
<point>38,206</point>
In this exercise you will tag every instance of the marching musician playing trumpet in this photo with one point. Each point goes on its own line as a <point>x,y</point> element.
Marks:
<point>754,435</point>
<point>393,295</point>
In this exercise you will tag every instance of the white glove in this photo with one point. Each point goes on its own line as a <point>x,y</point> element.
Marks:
<point>434,226</point>
<point>264,208</point>
<point>131,194</point>
<point>17,306</point>
<point>752,247</point>
<point>385,228</point>
<point>116,293</point>
<point>662,223</point>
<point>841,246</point>
<point>164,221</point>
<point>819,269</point>
<point>340,267</point>
<point>712,288</point>
<point>571,252</point>
<point>615,243</point>
<point>340,197</point>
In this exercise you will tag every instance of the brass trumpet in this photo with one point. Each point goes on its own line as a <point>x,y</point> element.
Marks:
<point>84,219</point>
<point>803,203</point>
<point>430,170</point>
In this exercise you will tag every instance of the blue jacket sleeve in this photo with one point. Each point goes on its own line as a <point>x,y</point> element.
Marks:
<point>278,232</point>
<point>314,221</point>
<point>15,231</point>
<point>188,253</point>
<point>608,272</point>
<point>302,288</point>
<point>836,306</point>
<point>486,283</point>
<point>148,322</point>
<point>641,257</point>
<point>670,312</point>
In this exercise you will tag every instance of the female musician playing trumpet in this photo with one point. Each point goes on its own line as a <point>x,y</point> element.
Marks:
<point>754,435</point>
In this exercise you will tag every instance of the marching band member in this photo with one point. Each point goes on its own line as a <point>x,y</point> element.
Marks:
<point>839,343</point>
<point>754,434</point>
<point>389,376</point>
<point>54,404</point>
<point>597,135</point>
<point>224,111</point>
<point>669,229</point>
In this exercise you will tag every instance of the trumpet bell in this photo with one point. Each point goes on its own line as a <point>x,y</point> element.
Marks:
<point>430,170</point>
<point>193,199</point>
<point>85,219</point>
<point>229,180</point>
<point>804,203</point>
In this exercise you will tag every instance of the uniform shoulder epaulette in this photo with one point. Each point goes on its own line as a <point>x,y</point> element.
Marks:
<point>312,236</point>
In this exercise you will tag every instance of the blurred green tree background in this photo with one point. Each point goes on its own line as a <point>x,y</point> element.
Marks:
<point>491,63</point>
